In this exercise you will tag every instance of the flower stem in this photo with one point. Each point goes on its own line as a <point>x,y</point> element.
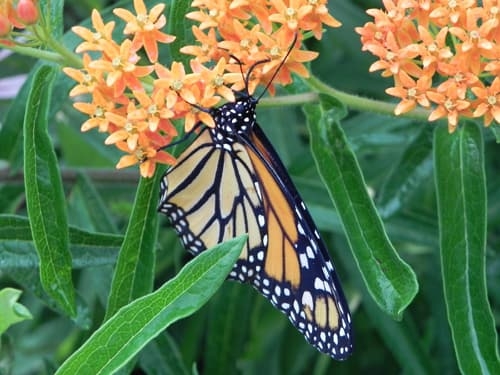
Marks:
<point>37,53</point>
<point>62,56</point>
<point>69,58</point>
<point>297,99</point>
<point>364,104</point>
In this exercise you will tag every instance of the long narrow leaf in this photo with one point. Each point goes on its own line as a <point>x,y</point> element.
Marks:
<point>180,26</point>
<point>11,131</point>
<point>409,173</point>
<point>134,272</point>
<point>123,335</point>
<point>45,197</point>
<point>162,356</point>
<point>391,282</point>
<point>95,206</point>
<point>18,253</point>
<point>461,193</point>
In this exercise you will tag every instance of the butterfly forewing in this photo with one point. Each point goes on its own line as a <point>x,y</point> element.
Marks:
<point>211,196</point>
<point>302,280</point>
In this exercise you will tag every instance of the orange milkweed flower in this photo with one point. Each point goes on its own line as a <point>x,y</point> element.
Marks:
<point>420,10</point>
<point>488,101</point>
<point>245,43</point>
<point>5,26</point>
<point>458,76</point>
<point>451,44</point>
<point>314,21</point>
<point>154,109</point>
<point>137,115</point>
<point>126,128</point>
<point>449,105</point>
<point>292,14</point>
<point>145,27</point>
<point>411,92</point>
<point>177,82</point>
<point>277,46</point>
<point>393,58</point>
<point>147,155</point>
<point>215,80</point>
<point>96,111</point>
<point>207,50</point>
<point>194,114</point>
<point>88,79</point>
<point>452,12</point>
<point>120,67</point>
<point>92,40</point>
<point>433,49</point>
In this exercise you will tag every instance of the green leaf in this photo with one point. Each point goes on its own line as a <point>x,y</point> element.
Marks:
<point>461,193</point>
<point>53,16</point>
<point>162,356</point>
<point>391,282</point>
<point>94,206</point>
<point>85,150</point>
<point>228,328</point>
<point>496,132</point>
<point>403,339</point>
<point>180,26</point>
<point>408,174</point>
<point>134,272</point>
<point>11,311</point>
<point>11,131</point>
<point>132,327</point>
<point>17,251</point>
<point>45,198</point>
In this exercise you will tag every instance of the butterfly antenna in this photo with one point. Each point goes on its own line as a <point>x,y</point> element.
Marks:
<point>183,138</point>
<point>277,69</point>
<point>246,77</point>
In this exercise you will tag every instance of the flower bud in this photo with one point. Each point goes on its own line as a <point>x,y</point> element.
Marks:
<point>27,12</point>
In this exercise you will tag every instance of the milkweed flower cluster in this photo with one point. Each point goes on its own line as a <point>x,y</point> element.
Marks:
<point>442,54</point>
<point>135,98</point>
<point>16,15</point>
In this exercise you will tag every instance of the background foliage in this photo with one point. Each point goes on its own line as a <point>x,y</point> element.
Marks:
<point>72,175</point>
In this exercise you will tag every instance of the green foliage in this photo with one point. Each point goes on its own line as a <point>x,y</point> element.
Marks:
<point>103,274</point>
<point>132,327</point>
<point>390,281</point>
<point>461,189</point>
<point>11,311</point>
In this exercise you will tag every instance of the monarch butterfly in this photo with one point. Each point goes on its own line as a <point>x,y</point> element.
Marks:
<point>230,181</point>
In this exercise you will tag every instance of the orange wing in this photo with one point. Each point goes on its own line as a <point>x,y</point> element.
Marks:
<point>298,276</point>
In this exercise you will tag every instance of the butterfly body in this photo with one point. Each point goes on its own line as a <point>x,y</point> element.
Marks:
<point>230,181</point>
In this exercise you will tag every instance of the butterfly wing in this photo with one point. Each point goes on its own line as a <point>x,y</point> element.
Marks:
<point>210,196</point>
<point>297,276</point>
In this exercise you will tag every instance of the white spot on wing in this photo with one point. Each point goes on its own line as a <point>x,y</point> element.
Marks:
<point>303,260</point>
<point>307,299</point>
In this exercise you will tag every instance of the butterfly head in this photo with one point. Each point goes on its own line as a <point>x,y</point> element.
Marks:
<point>235,118</point>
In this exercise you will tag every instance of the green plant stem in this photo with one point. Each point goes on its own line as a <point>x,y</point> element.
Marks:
<point>69,58</point>
<point>297,99</point>
<point>363,104</point>
<point>62,57</point>
<point>56,53</point>
<point>37,53</point>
